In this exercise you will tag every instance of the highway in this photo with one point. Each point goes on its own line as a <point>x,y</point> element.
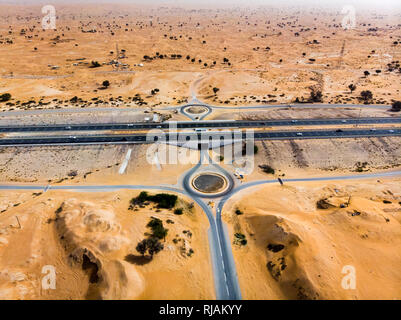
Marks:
<point>204,136</point>
<point>202,124</point>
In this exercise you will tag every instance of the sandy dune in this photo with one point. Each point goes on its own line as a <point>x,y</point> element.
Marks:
<point>300,251</point>
<point>90,239</point>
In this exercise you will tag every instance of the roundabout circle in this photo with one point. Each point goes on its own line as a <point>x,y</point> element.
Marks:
<point>209,183</point>
<point>196,110</point>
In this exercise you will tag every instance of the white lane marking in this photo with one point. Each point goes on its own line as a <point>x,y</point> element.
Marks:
<point>125,162</point>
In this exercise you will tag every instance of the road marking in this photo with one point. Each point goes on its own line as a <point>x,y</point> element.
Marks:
<point>125,162</point>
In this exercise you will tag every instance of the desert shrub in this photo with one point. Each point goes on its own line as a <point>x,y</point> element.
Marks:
<point>163,200</point>
<point>178,211</point>
<point>316,95</point>
<point>5,97</point>
<point>366,95</point>
<point>150,245</point>
<point>158,231</point>
<point>94,64</point>
<point>275,247</point>
<point>267,169</point>
<point>396,107</point>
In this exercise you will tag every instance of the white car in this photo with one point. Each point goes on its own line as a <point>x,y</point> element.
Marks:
<point>344,121</point>
<point>391,131</point>
<point>299,133</point>
<point>373,129</point>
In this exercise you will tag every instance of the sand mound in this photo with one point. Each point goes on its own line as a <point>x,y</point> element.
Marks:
<point>281,247</point>
<point>300,250</point>
<point>92,237</point>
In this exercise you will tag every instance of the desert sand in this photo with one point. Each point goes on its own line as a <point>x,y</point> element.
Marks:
<point>90,239</point>
<point>253,56</point>
<point>156,57</point>
<point>309,247</point>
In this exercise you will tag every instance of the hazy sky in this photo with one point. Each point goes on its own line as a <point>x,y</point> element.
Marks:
<point>231,3</point>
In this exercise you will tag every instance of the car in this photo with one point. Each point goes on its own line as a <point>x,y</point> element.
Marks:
<point>68,127</point>
<point>391,131</point>
<point>159,127</point>
<point>339,130</point>
<point>299,133</point>
<point>294,121</point>
<point>73,137</point>
<point>372,129</point>
<point>344,121</point>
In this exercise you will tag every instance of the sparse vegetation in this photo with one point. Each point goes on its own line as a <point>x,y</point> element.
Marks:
<point>163,200</point>
<point>178,211</point>
<point>158,231</point>
<point>150,245</point>
<point>240,239</point>
<point>95,64</point>
<point>267,169</point>
<point>106,84</point>
<point>5,97</point>
<point>352,87</point>
<point>396,106</point>
<point>366,96</point>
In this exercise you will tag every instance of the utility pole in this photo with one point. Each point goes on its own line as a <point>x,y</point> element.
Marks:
<point>117,56</point>
<point>19,224</point>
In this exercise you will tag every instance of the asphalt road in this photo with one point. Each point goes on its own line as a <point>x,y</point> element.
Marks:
<point>202,124</point>
<point>204,136</point>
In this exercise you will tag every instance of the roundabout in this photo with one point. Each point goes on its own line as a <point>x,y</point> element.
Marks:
<point>196,111</point>
<point>209,183</point>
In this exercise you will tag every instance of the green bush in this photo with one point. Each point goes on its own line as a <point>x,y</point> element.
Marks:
<point>163,200</point>
<point>178,211</point>
<point>5,97</point>
<point>158,231</point>
<point>95,64</point>
<point>267,169</point>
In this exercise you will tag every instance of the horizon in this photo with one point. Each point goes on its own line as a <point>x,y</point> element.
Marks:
<point>360,4</point>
